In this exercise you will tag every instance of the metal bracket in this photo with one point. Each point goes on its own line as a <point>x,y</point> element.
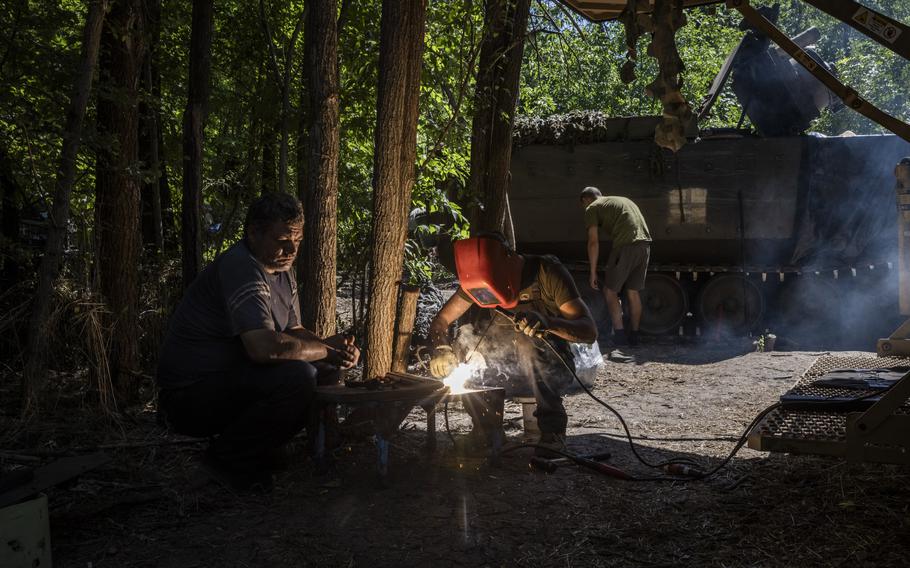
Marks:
<point>850,97</point>
<point>887,31</point>
<point>897,344</point>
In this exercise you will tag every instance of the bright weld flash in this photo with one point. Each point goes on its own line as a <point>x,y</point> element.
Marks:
<point>457,378</point>
<point>463,372</point>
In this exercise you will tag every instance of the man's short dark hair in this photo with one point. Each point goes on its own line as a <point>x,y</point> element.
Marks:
<point>273,207</point>
<point>590,192</point>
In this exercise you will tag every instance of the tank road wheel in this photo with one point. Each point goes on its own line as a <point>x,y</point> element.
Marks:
<point>664,304</point>
<point>731,302</point>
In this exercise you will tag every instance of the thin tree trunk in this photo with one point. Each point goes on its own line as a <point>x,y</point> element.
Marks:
<point>194,118</point>
<point>152,226</point>
<point>320,194</point>
<point>400,52</point>
<point>505,26</point>
<point>269,180</point>
<point>117,201</point>
<point>168,222</point>
<point>9,219</point>
<point>283,81</point>
<point>404,327</point>
<point>36,364</point>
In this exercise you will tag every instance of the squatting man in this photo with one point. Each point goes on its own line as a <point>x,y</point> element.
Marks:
<point>236,363</point>
<point>543,297</point>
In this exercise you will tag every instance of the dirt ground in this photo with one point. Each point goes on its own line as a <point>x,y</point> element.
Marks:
<point>679,398</point>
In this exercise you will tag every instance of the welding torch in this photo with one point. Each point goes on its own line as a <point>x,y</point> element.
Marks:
<point>516,322</point>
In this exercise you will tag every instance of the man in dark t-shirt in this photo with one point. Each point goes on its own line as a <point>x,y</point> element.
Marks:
<point>236,362</point>
<point>545,301</point>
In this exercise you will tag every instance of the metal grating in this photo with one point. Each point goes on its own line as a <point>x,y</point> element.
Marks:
<point>817,432</point>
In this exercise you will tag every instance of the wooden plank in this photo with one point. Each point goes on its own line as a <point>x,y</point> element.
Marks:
<point>53,474</point>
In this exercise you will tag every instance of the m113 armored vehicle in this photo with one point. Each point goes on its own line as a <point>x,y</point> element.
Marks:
<point>752,229</point>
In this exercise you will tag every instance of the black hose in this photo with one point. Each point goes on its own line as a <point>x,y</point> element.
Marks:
<point>661,465</point>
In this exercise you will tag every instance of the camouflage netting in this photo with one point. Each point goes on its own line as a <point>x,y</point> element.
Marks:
<point>577,127</point>
<point>587,127</point>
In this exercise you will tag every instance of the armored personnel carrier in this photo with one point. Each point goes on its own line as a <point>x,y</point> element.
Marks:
<point>752,229</point>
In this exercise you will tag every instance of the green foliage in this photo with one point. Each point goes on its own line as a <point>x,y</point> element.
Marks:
<point>563,70</point>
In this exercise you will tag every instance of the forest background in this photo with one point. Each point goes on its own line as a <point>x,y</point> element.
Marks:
<point>256,133</point>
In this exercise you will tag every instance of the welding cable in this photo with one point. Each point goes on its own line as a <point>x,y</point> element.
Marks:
<point>660,465</point>
<point>701,475</point>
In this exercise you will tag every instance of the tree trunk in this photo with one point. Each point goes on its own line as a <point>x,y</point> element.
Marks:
<point>194,136</point>
<point>117,201</point>
<point>36,364</point>
<point>269,181</point>
<point>149,113</point>
<point>168,221</point>
<point>505,25</point>
<point>400,52</point>
<point>404,327</point>
<point>9,221</point>
<point>320,194</point>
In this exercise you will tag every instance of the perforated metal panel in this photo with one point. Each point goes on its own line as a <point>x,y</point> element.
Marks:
<point>817,431</point>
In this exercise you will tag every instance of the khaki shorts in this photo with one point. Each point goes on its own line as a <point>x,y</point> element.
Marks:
<point>627,265</point>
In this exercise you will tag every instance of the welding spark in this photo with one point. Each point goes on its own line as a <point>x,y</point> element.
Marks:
<point>457,378</point>
<point>464,372</point>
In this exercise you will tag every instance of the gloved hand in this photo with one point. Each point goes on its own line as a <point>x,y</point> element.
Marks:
<point>532,324</point>
<point>443,361</point>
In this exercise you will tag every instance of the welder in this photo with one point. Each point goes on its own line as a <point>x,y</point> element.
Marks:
<point>542,299</point>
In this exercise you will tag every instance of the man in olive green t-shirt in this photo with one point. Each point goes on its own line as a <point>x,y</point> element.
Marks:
<point>621,220</point>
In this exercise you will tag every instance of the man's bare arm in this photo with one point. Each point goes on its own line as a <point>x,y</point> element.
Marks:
<point>593,254</point>
<point>270,346</point>
<point>451,311</point>
<point>575,322</point>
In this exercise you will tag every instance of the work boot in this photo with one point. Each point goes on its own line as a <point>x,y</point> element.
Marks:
<point>550,445</point>
<point>620,338</point>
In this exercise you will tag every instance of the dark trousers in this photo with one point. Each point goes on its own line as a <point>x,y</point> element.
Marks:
<point>252,410</point>
<point>548,379</point>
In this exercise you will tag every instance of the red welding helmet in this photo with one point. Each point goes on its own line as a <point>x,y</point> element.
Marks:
<point>488,271</point>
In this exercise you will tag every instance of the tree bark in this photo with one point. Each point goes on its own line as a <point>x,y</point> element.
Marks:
<point>194,118</point>
<point>36,363</point>
<point>149,112</point>
<point>318,264</point>
<point>400,53</point>
<point>404,327</point>
<point>320,194</point>
<point>117,200</point>
<point>505,26</point>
